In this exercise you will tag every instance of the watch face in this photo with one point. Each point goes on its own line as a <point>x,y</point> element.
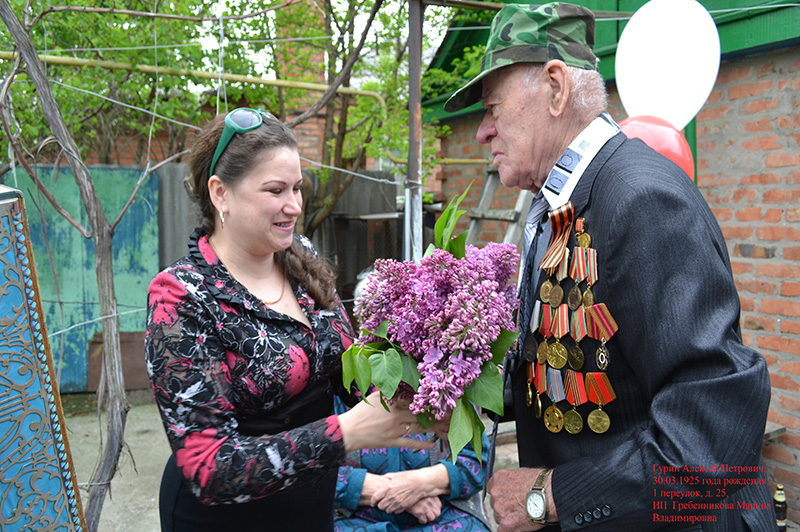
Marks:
<point>535,505</point>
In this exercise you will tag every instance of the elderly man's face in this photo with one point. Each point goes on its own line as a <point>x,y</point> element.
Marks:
<point>518,126</point>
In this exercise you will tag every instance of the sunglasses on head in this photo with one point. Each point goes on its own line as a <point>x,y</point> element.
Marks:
<point>239,120</point>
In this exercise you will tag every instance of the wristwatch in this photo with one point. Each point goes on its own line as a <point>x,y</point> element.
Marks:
<point>536,502</point>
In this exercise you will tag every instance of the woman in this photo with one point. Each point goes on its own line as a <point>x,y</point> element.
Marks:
<point>244,343</point>
<point>389,490</point>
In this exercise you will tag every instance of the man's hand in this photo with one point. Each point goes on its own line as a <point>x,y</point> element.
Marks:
<point>509,489</point>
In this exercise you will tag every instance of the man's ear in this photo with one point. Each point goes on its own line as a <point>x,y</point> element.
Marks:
<point>560,84</point>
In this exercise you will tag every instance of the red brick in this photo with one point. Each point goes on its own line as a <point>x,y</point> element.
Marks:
<point>713,113</point>
<point>736,74</point>
<point>747,195</point>
<point>756,287</point>
<point>784,344</point>
<point>780,271</point>
<point>778,233</point>
<point>788,121</point>
<point>748,214</point>
<point>771,359</point>
<point>790,403</point>
<point>737,232</point>
<point>778,196</point>
<point>785,476</point>
<point>790,327</point>
<point>722,214</point>
<point>782,160</point>
<point>790,289</point>
<point>749,89</point>
<point>740,268</point>
<point>793,214</point>
<point>790,84</point>
<point>759,323</point>
<point>762,143</point>
<point>780,454</point>
<point>747,304</point>
<point>787,420</point>
<point>758,126</point>
<point>780,307</point>
<point>790,367</point>
<point>792,440</point>
<point>759,106</point>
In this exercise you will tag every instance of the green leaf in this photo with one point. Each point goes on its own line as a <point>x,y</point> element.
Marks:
<point>502,344</point>
<point>460,433</point>
<point>429,251</point>
<point>458,246</point>
<point>487,390</point>
<point>387,369</point>
<point>363,374</point>
<point>348,368</point>
<point>425,421</point>
<point>445,225</point>
<point>382,331</point>
<point>411,373</point>
<point>478,428</point>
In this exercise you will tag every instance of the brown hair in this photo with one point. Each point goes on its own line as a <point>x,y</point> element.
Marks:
<point>239,157</point>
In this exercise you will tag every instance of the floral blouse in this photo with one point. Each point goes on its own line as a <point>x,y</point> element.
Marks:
<point>216,352</point>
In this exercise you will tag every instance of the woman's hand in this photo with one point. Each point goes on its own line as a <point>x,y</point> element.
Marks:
<point>370,426</point>
<point>427,509</point>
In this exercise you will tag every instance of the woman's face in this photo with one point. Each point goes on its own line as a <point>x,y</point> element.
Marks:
<point>261,209</point>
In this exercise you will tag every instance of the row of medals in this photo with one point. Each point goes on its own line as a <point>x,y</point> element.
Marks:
<point>557,356</point>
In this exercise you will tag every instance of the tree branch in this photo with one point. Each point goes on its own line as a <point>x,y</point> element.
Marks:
<point>344,74</point>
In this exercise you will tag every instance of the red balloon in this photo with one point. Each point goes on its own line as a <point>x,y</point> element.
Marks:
<point>662,137</point>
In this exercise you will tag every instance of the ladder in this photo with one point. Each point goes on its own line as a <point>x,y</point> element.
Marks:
<point>483,212</point>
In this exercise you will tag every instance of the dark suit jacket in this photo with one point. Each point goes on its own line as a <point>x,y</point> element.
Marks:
<point>689,393</point>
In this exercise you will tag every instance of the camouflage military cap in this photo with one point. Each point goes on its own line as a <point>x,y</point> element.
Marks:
<point>523,33</point>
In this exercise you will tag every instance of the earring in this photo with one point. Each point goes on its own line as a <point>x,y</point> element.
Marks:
<point>222,218</point>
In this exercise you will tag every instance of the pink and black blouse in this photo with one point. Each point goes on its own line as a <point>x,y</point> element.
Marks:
<point>215,353</point>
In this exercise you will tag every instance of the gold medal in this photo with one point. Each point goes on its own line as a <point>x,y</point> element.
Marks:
<point>601,356</point>
<point>574,298</point>
<point>557,355</point>
<point>588,297</point>
<point>529,348</point>
<point>529,396</point>
<point>575,357</point>
<point>584,240</point>
<point>553,419</point>
<point>537,406</point>
<point>544,291</point>
<point>556,296</point>
<point>541,353</point>
<point>598,420</point>
<point>573,421</point>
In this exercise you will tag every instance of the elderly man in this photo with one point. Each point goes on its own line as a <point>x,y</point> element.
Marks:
<point>637,406</point>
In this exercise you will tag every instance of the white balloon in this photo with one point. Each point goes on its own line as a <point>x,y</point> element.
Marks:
<point>667,60</point>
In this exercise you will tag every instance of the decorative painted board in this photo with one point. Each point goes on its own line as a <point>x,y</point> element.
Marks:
<point>38,490</point>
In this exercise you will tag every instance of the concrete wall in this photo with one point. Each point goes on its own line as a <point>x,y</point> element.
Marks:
<point>748,166</point>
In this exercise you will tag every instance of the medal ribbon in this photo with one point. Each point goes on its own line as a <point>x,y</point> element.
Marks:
<point>591,265</point>
<point>601,324</point>
<point>575,388</point>
<point>598,389</point>
<point>555,386</point>
<point>579,224</point>
<point>577,269</point>
<point>560,325</point>
<point>539,378</point>
<point>547,320</point>
<point>560,223</point>
<point>578,324</point>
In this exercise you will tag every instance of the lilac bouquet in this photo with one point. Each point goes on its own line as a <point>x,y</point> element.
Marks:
<point>433,333</point>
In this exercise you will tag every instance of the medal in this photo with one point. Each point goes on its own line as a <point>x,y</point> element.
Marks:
<point>588,297</point>
<point>575,357</point>
<point>598,420</point>
<point>553,419</point>
<point>575,391</point>
<point>541,353</point>
<point>600,392</point>
<point>591,276</point>
<point>544,291</point>
<point>556,296</point>
<point>574,298</point>
<point>557,355</point>
<point>601,357</point>
<point>529,348</point>
<point>573,421</point>
<point>581,236</point>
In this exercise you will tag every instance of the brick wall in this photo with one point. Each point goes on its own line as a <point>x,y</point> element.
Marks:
<point>748,169</point>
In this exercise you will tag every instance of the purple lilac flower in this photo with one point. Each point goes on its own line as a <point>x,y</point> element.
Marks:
<point>445,313</point>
